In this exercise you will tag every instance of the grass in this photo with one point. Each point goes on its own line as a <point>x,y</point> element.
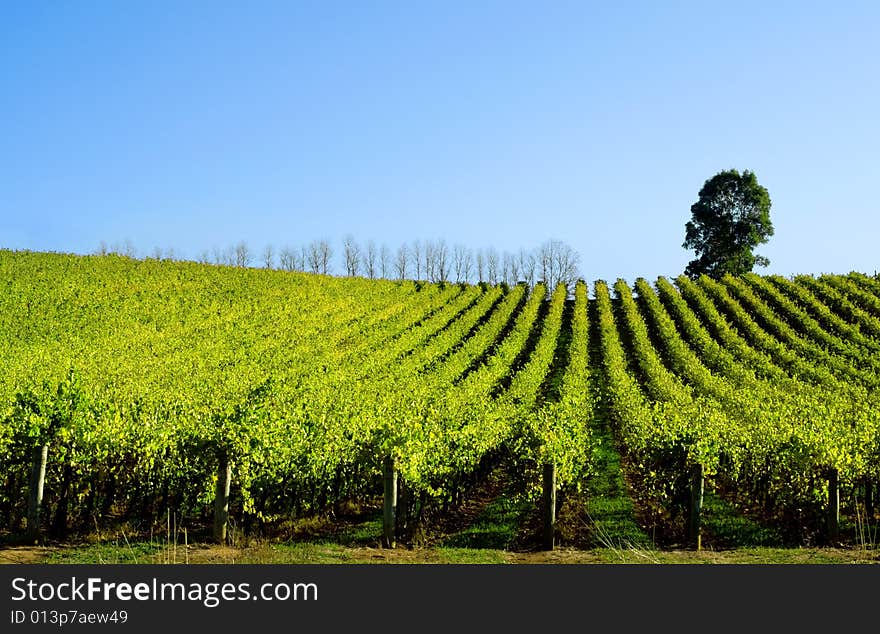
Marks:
<point>495,528</point>
<point>726,527</point>
<point>609,509</point>
<point>107,553</point>
<point>114,552</point>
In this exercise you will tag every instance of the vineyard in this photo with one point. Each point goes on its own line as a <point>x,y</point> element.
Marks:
<point>132,388</point>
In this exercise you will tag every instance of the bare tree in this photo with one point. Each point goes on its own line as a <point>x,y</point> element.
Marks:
<point>242,254</point>
<point>430,261</point>
<point>558,263</point>
<point>102,248</point>
<point>326,252</point>
<point>314,257</point>
<point>402,260</point>
<point>492,265</point>
<point>217,254</point>
<point>204,257</point>
<point>287,259</point>
<point>459,254</point>
<point>527,264</point>
<point>229,256</point>
<point>157,253</point>
<point>481,266</point>
<point>441,259</point>
<point>371,259</point>
<point>269,256</point>
<point>384,260</point>
<point>352,255</point>
<point>467,269</point>
<point>511,268</point>
<point>303,261</point>
<point>545,262</point>
<point>567,265</point>
<point>128,249</point>
<point>416,253</point>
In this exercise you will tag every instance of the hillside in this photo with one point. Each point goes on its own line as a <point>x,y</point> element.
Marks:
<point>252,398</point>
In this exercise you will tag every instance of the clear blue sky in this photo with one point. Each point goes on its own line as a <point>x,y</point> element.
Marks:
<point>194,125</point>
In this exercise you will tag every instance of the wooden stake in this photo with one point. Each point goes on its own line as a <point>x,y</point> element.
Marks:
<point>833,505</point>
<point>390,507</point>
<point>35,497</point>
<point>549,505</point>
<point>221,499</point>
<point>694,525</point>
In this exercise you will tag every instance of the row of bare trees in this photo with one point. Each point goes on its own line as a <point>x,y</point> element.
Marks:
<point>430,260</point>
<point>435,261</point>
<point>314,257</point>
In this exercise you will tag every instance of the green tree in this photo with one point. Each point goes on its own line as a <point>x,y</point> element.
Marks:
<point>731,218</point>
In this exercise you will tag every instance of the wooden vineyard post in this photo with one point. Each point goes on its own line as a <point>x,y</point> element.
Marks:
<point>35,496</point>
<point>390,506</point>
<point>221,499</point>
<point>833,505</point>
<point>549,505</point>
<point>694,520</point>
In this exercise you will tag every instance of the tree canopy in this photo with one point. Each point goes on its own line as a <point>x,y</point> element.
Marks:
<point>730,219</point>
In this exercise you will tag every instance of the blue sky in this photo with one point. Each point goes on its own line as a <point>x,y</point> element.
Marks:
<point>196,125</point>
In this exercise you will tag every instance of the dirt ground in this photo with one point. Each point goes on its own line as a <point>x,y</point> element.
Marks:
<point>215,554</point>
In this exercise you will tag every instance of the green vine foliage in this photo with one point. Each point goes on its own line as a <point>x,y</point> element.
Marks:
<point>144,377</point>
